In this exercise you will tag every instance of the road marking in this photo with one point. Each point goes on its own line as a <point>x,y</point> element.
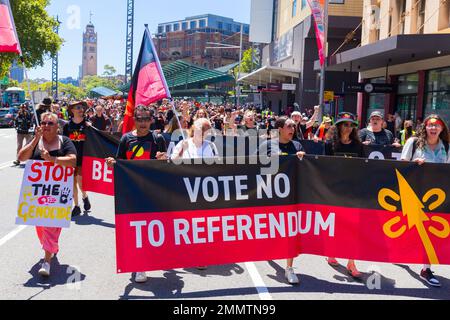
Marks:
<point>6,165</point>
<point>12,234</point>
<point>258,282</point>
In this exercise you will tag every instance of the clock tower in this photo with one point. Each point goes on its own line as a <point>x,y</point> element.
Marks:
<point>89,66</point>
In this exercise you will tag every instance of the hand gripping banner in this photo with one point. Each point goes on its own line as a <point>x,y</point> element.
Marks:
<point>179,216</point>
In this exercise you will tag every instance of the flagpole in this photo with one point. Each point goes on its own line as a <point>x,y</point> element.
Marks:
<point>323,67</point>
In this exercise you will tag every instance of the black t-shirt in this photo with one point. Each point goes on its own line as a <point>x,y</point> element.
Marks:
<point>384,137</point>
<point>218,122</point>
<point>148,146</point>
<point>100,122</point>
<point>67,147</point>
<point>75,132</point>
<point>157,125</point>
<point>283,149</point>
<point>23,123</point>
<point>351,150</point>
<point>299,129</point>
<point>390,126</point>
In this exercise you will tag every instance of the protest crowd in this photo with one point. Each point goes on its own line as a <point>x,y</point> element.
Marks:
<point>60,135</point>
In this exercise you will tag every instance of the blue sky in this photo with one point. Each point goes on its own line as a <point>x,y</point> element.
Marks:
<point>109,18</point>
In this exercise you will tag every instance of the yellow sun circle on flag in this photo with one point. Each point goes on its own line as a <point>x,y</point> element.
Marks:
<point>140,152</point>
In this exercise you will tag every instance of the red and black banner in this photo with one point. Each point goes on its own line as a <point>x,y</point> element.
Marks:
<point>179,216</point>
<point>99,145</point>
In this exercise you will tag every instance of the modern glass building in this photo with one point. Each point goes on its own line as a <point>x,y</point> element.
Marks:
<point>204,23</point>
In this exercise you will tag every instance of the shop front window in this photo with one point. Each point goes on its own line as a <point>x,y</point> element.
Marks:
<point>437,95</point>
<point>406,104</point>
<point>376,100</point>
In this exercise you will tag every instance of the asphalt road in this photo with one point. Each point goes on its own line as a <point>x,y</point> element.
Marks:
<point>85,266</point>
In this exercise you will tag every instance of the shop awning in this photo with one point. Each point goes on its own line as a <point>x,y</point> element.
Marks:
<point>268,74</point>
<point>102,92</point>
<point>228,67</point>
<point>390,51</point>
<point>181,74</point>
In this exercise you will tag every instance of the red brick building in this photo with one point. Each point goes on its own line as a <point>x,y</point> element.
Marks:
<point>189,41</point>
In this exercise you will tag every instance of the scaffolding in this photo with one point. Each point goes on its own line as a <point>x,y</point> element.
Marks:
<point>55,65</point>
<point>129,41</point>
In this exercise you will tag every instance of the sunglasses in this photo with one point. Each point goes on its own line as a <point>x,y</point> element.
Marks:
<point>434,125</point>
<point>78,108</point>
<point>348,125</point>
<point>49,123</point>
<point>143,119</point>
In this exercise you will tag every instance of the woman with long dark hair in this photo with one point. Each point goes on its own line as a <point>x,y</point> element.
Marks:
<point>430,145</point>
<point>345,143</point>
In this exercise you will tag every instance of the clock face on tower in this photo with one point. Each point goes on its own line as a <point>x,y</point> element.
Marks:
<point>92,39</point>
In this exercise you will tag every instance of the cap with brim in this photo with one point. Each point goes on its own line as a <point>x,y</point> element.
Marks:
<point>46,103</point>
<point>78,103</point>
<point>376,114</point>
<point>346,117</point>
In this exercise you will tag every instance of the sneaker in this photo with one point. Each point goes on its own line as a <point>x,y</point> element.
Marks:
<point>291,277</point>
<point>45,269</point>
<point>16,163</point>
<point>141,277</point>
<point>76,211</point>
<point>428,277</point>
<point>86,204</point>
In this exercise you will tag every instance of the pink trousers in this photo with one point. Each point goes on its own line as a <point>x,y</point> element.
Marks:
<point>49,238</point>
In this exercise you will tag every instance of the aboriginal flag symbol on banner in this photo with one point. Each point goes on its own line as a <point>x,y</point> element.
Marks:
<point>148,84</point>
<point>9,41</point>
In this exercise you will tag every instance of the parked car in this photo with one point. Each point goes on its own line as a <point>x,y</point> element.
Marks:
<point>6,118</point>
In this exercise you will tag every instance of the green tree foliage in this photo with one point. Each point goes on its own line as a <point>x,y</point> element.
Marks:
<point>248,64</point>
<point>68,89</point>
<point>109,70</point>
<point>35,31</point>
<point>90,82</point>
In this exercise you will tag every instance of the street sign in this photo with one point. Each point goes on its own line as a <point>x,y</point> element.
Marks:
<point>328,96</point>
<point>289,86</point>
<point>274,87</point>
<point>369,87</point>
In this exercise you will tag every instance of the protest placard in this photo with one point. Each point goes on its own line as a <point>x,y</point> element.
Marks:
<point>46,195</point>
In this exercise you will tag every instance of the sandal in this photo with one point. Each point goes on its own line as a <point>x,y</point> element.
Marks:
<point>354,272</point>
<point>332,262</point>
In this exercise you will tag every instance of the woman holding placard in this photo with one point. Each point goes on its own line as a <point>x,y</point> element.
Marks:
<point>47,145</point>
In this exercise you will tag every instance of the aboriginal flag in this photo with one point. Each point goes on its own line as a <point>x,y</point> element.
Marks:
<point>148,84</point>
<point>9,41</point>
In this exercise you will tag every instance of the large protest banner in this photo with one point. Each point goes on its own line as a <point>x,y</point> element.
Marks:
<point>170,216</point>
<point>46,195</point>
<point>99,145</point>
<point>382,152</point>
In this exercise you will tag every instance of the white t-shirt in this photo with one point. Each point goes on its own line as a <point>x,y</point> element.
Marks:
<point>207,150</point>
<point>438,155</point>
